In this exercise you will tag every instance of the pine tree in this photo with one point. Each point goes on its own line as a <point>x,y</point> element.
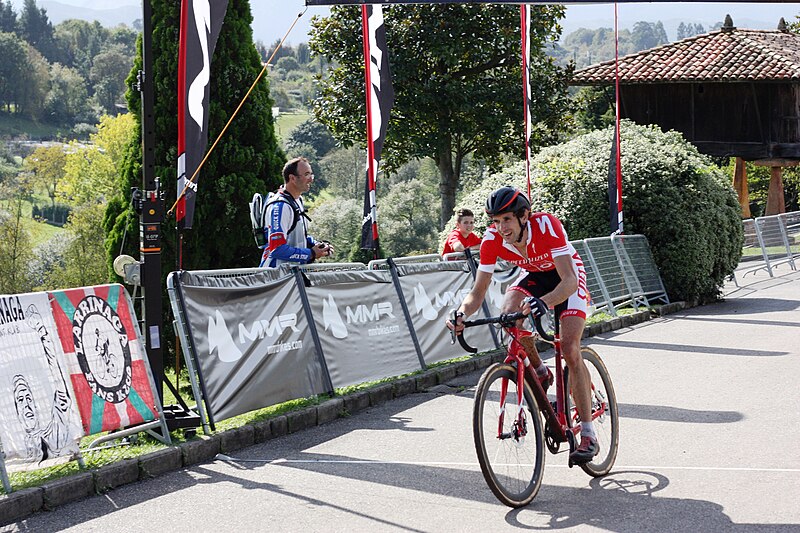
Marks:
<point>682,33</point>
<point>8,17</point>
<point>36,29</point>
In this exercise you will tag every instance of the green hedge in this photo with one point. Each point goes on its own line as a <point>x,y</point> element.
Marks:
<point>672,194</point>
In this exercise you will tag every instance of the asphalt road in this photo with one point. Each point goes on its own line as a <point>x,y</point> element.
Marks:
<point>709,439</point>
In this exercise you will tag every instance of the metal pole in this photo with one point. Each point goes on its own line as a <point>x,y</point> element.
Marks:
<point>152,211</point>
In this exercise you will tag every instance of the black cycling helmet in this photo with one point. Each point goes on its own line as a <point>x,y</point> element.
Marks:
<point>507,199</point>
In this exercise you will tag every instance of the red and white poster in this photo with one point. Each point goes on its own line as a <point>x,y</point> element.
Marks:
<point>105,357</point>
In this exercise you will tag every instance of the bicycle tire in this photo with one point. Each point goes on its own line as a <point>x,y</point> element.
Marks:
<point>607,425</point>
<point>513,468</point>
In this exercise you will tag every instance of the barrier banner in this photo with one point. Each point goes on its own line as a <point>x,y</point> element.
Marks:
<point>362,329</point>
<point>252,341</point>
<point>504,276</point>
<point>431,291</point>
<point>105,357</point>
<point>38,421</point>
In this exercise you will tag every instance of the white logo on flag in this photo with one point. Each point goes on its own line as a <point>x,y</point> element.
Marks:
<point>202,13</point>
<point>220,339</point>
<point>332,319</point>
<point>430,308</point>
<point>423,303</point>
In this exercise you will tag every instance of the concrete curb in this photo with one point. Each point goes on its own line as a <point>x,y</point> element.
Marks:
<point>23,503</point>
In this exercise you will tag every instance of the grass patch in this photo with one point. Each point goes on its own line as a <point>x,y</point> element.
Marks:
<point>16,126</point>
<point>288,121</point>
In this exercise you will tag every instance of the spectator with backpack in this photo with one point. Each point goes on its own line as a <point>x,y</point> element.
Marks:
<point>279,225</point>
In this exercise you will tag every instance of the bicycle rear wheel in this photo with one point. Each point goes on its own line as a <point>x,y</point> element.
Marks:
<point>511,453</point>
<point>606,425</point>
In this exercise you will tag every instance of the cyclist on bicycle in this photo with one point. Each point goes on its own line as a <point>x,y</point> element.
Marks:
<point>553,272</point>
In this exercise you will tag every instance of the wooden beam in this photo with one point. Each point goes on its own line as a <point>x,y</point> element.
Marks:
<point>776,162</point>
<point>740,186</point>
<point>775,202</point>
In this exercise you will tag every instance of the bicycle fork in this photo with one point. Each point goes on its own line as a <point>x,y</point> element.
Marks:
<point>520,427</point>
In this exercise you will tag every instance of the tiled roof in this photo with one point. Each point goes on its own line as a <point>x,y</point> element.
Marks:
<point>725,55</point>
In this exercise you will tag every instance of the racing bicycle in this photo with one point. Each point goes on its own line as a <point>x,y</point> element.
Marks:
<point>514,420</point>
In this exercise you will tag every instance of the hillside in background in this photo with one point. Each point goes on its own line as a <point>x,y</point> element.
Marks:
<point>108,13</point>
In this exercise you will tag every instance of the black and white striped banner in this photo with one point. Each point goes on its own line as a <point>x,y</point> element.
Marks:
<point>380,98</point>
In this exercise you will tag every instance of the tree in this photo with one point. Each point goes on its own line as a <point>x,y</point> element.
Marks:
<point>8,17</point>
<point>311,132</point>
<point>337,220</point>
<point>408,225</point>
<point>646,35</point>
<point>457,81</point>
<point>681,32</point>
<point>303,53</point>
<point>36,29</point>
<point>595,107</point>
<point>13,58</point>
<point>67,98</point>
<point>33,85</point>
<point>46,166</point>
<point>344,171</point>
<point>246,160</point>
<point>78,42</point>
<point>92,172</point>
<point>83,253</point>
<point>123,37</point>
<point>109,70</point>
<point>15,243</point>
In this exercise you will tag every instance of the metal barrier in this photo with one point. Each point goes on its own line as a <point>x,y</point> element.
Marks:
<point>778,240</point>
<point>640,267</point>
<point>382,264</point>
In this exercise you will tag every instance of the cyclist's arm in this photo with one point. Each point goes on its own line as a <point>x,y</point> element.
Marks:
<point>475,297</point>
<point>567,285</point>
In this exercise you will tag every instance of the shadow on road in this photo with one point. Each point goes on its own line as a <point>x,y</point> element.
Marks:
<point>626,501</point>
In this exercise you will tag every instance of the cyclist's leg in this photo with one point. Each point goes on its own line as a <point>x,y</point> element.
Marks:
<point>511,302</point>
<point>579,380</point>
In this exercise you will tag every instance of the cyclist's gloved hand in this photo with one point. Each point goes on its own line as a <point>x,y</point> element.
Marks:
<point>537,307</point>
<point>455,321</point>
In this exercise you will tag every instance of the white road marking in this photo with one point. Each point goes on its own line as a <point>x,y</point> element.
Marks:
<point>617,468</point>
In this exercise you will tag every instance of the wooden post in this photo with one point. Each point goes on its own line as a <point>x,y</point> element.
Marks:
<point>740,186</point>
<point>775,201</point>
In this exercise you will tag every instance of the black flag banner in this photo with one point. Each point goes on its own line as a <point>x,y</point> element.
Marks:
<point>380,98</point>
<point>201,21</point>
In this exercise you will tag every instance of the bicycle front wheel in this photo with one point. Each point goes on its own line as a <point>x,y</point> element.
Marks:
<point>604,414</point>
<point>508,436</point>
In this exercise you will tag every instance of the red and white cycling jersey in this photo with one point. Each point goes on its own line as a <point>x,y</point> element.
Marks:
<point>546,240</point>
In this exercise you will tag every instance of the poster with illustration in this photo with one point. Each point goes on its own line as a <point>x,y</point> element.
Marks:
<point>105,357</point>
<point>38,417</point>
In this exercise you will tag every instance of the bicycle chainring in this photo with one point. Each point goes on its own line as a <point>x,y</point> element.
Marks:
<point>550,440</point>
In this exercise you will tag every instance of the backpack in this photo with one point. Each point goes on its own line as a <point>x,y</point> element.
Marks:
<point>259,208</point>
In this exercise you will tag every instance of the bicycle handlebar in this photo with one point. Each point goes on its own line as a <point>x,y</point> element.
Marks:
<point>505,320</point>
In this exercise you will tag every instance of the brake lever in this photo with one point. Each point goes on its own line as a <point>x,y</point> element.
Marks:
<point>460,337</point>
<point>453,319</point>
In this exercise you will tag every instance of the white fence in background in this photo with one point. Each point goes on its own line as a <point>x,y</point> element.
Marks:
<point>771,241</point>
